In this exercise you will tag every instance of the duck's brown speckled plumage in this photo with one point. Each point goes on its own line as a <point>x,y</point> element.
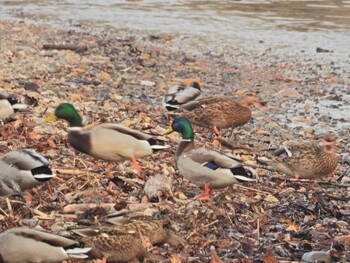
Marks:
<point>115,246</point>
<point>146,226</point>
<point>219,112</point>
<point>307,160</point>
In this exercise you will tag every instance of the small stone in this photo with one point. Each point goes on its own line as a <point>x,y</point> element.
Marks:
<point>147,83</point>
<point>19,54</point>
<point>289,92</point>
<point>316,256</point>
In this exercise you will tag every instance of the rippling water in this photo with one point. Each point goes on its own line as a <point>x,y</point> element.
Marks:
<point>206,16</point>
<point>292,23</point>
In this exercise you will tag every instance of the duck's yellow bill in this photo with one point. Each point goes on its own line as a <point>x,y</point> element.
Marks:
<point>51,117</point>
<point>168,131</point>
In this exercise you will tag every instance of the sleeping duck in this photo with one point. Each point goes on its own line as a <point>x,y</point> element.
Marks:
<point>20,244</point>
<point>180,94</point>
<point>9,105</point>
<point>21,170</point>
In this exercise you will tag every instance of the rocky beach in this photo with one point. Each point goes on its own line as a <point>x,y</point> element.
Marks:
<point>121,76</point>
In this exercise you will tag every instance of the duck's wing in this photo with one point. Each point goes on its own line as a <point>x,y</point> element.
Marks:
<point>26,159</point>
<point>118,128</point>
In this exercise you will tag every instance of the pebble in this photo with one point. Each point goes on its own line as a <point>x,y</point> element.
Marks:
<point>316,256</point>
<point>19,54</point>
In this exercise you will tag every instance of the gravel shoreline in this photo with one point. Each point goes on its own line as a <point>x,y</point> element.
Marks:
<point>121,76</point>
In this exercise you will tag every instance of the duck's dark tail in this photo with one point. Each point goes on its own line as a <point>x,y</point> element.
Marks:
<point>157,145</point>
<point>243,174</point>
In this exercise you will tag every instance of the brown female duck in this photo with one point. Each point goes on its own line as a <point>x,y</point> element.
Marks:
<point>115,246</point>
<point>219,112</point>
<point>307,160</point>
<point>144,226</point>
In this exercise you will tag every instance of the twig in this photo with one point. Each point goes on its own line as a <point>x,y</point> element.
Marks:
<point>3,211</point>
<point>306,181</point>
<point>341,177</point>
<point>232,145</point>
<point>212,223</point>
<point>69,171</point>
<point>9,206</point>
<point>341,198</point>
<point>251,189</point>
<point>41,215</point>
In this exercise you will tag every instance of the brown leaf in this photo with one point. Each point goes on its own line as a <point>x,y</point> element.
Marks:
<point>214,257</point>
<point>77,97</point>
<point>291,225</point>
<point>52,144</point>
<point>175,259</point>
<point>343,239</point>
<point>33,135</point>
<point>269,257</point>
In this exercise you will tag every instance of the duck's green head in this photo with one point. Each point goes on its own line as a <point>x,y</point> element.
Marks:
<point>67,112</point>
<point>181,125</point>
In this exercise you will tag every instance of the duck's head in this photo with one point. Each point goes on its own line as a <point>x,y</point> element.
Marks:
<point>329,141</point>
<point>195,84</point>
<point>181,125</point>
<point>67,112</point>
<point>250,98</point>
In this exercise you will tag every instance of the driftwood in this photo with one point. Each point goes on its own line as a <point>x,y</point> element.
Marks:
<point>85,207</point>
<point>72,47</point>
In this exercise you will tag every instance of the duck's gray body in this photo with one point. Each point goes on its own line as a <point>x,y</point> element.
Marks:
<point>21,170</point>
<point>21,245</point>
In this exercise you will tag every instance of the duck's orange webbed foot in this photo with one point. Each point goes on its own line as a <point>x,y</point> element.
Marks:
<point>217,132</point>
<point>47,183</point>
<point>206,195</point>
<point>135,163</point>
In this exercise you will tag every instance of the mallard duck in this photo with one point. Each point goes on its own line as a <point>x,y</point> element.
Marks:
<point>219,112</point>
<point>307,160</point>
<point>9,187</point>
<point>114,246</point>
<point>205,167</point>
<point>180,94</point>
<point>8,105</point>
<point>29,245</point>
<point>108,141</point>
<point>24,169</point>
<point>144,226</point>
